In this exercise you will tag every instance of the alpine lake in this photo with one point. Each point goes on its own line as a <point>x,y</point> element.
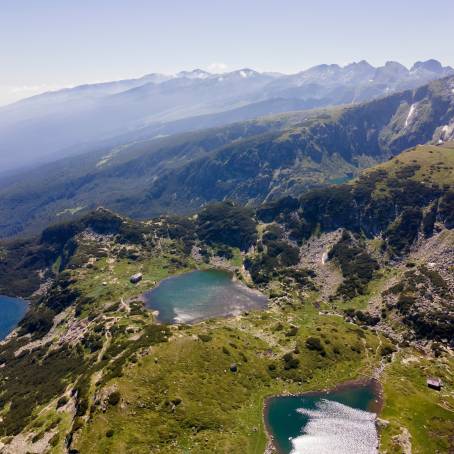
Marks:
<point>341,420</point>
<point>199,295</point>
<point>12,310</point>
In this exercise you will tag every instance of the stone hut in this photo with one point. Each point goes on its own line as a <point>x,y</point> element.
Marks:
<point>434,383</point>
<point>136,278</point>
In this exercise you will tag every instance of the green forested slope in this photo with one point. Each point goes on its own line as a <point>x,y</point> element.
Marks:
<point>248,162</point>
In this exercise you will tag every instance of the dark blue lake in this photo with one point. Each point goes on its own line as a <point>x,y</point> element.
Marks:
<point>339,421</point>
<point>12,310</point>
<point>199,295</point>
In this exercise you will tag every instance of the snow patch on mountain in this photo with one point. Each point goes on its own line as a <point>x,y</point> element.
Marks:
<point>410,114</point>
<point>447,132</point>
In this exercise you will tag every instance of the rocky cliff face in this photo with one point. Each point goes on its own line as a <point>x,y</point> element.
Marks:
<point>397,200</point>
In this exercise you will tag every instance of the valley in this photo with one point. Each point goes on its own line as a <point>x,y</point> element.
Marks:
<point>85,118</point>
<point>249,162</point>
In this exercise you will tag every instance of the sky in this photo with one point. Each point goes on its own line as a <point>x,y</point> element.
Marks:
<point>50,44</point>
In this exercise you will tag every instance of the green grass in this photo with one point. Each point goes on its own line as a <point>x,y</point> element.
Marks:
<point>222,411</point>
<point>108,282</point>
<point>427,414</point>
<point>50,419</point>
<point>237,259</point>
<point>373,290</point>
<point>436,165</point>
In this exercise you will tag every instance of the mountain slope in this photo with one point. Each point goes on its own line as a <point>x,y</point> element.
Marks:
<point>249,162</point>
<point>111,173</point>
<point>94,372</point>
<point>333,146</point>
<point>396,201</point>
<point>52,125</point>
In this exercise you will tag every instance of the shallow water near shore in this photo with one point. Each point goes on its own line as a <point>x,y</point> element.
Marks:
<point>12,310</point>
<point>340,421</point>
<point>199,295</point>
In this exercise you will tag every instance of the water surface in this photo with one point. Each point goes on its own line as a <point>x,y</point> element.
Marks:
<point>199,295</point>
<point>339,421</point>
<point>12,310</point>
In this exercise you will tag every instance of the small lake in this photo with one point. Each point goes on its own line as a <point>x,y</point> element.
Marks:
<point>12,310</point>
<point>340,421</point>
<point>199,295</point>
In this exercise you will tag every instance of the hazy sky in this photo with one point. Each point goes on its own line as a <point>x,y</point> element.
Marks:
<point>48,44</point>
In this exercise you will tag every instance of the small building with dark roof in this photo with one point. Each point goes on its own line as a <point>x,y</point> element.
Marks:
<point>434,383</point>
<point>135,278</point>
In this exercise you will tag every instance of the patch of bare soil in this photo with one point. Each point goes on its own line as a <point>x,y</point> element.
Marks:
<point>23,444</point>
<point>403,440</point>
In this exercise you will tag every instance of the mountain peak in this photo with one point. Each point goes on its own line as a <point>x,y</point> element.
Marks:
<point>363,64</point>
<point>194,74</point>
<point>324,66</point>
<point>155,78</point>
<point>393,70</point>
<point>246,72</point>
<point>395,65</point>
<point>431,65</point>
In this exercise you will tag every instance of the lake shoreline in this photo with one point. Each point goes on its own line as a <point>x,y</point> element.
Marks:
<point>272,448</point>
<point>256,299</point>
<point>25,307</point>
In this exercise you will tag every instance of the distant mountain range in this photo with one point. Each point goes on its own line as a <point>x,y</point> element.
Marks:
<point>251,162</point>
<point>71,121</point>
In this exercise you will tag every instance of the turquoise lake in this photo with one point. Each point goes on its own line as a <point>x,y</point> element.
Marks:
<point>339,421</point>
<point>198,295</point>
<point>12,310</point>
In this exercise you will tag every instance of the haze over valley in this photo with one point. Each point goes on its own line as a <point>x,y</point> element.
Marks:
<point>66,122</point>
